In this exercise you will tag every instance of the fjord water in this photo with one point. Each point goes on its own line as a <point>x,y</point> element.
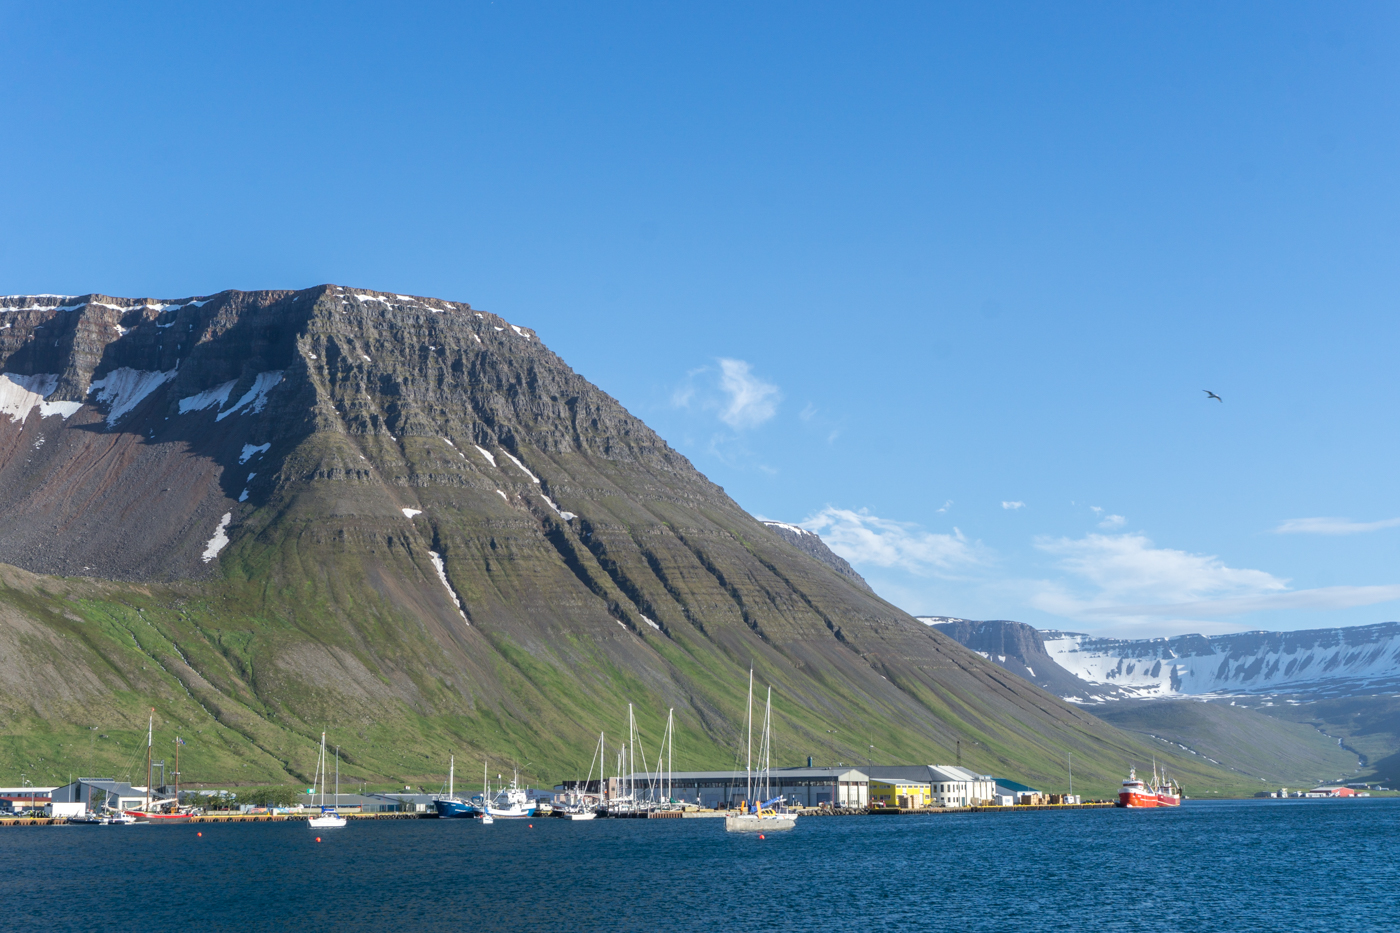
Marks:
<point>1208,866</point>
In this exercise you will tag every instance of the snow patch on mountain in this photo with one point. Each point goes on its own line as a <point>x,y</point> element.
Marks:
<point>255,399</point>
<point>20,394</point>
<point>123,389</point>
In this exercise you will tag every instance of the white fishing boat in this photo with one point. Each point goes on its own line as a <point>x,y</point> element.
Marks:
<point>329,816</point>
<point>770,815</point>
<point>510,802</point>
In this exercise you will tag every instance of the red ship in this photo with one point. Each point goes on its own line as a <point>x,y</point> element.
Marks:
<point>1161,792</point>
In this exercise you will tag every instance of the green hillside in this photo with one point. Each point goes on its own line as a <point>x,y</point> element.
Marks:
<point>1271,751</point>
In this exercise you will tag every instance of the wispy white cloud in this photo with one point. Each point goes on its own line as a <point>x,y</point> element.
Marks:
<point>1013,505</point>
<point>751,400</point>
<point>1130,568</point>
<point>946,506</point>
<point>1125,578</point>
<point>867,539</point>
<point>1113,521</point>
<point>1332,526</point>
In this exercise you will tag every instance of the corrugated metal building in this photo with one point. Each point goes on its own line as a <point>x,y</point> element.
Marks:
<point>807,787</point>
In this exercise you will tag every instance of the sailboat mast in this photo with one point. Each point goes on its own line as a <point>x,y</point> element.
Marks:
<point>768,744</point>
<point>337,779</point>
<point>670,753</point>
<point>631,753</point>
<point>451,764</point>
<point>177,772</point>
<point>748,753</point>
<point>150,731</point>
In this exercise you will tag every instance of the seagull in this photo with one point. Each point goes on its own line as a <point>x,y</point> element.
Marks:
<point>1211,395</point>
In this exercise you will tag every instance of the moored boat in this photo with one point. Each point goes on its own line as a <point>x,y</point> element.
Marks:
<point>771,815</point>
<point>1160,792</point>
<point>329,817</point>
<point>452,806</point>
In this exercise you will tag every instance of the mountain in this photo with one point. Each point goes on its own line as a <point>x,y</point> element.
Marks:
<point>1337,662</point>
<point>811,543</point>
<point>407,522</point>
<point>1014,646</point>
<point>1290,707</point>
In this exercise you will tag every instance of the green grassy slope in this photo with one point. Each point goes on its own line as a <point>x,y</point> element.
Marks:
<point>1268,750</point>
<point>211,661</point>
<point>1368,727</point>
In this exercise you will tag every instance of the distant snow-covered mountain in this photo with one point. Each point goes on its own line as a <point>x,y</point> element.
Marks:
<point>1324,662</point>
<point>1339,662</point>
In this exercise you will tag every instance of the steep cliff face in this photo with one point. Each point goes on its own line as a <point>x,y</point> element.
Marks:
<point>1018,648</point>
<point>382,511</point>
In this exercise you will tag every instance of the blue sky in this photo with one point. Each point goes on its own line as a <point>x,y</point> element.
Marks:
<point>943,282</point>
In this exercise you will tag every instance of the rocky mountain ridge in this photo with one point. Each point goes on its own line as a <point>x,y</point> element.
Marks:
<point>811,543</point>
<point>409,519</point>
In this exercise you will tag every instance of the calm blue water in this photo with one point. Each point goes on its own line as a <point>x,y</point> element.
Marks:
<point>1211,866</point>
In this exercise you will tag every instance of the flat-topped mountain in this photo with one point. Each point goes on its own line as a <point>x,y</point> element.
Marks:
<point>266,512</point>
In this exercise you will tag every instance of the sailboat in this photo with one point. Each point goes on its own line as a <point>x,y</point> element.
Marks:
<point>760,817</point>
<point>159,811</point>
<point>329,816</point>
<point>486,817</point>
<point>580,805</point>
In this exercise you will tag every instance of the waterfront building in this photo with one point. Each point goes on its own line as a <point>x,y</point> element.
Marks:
<point>950,786</point>
<point>101,793</point>
<point>1332,790</point>
<point>959,787</point>
<point>894,792</point>
<point>806,787</point>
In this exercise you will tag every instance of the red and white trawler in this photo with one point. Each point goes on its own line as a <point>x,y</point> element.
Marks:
<point>1162,792</point>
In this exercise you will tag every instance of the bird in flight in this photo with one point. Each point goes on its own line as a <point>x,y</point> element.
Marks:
<point>1211,395</point>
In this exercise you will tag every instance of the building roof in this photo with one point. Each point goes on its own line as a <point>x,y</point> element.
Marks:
<point>928,773</point>
<point>897,781</point>
<point>1016,787</point>
<point>954,773</point>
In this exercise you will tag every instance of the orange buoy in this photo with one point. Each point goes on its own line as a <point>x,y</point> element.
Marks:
<point>761,836</point>
<point>199,834</point>
<point>318,838</point>
<point>532,825</point>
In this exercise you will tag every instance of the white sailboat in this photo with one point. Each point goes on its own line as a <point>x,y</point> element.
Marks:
<point>760,817</point>
<point>329,817</point>
<point>580,805</point>
<point>486,816</point>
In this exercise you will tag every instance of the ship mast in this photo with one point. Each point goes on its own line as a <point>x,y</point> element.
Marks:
<point>748,755</point>
<point>150,727</point>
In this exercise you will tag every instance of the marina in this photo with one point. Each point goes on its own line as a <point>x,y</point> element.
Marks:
<point>1050,866</point>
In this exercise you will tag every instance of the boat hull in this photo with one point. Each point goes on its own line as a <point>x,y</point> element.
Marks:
<point>1137,799</point>
<point>325,822</point>
<point>142,817</point>
<point>758,824</point>
<point>454,809</point>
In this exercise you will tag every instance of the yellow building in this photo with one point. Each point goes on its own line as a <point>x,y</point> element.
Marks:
<point>897,793</point>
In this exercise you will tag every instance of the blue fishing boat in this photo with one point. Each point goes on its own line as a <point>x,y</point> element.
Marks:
<point>452,806</point>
